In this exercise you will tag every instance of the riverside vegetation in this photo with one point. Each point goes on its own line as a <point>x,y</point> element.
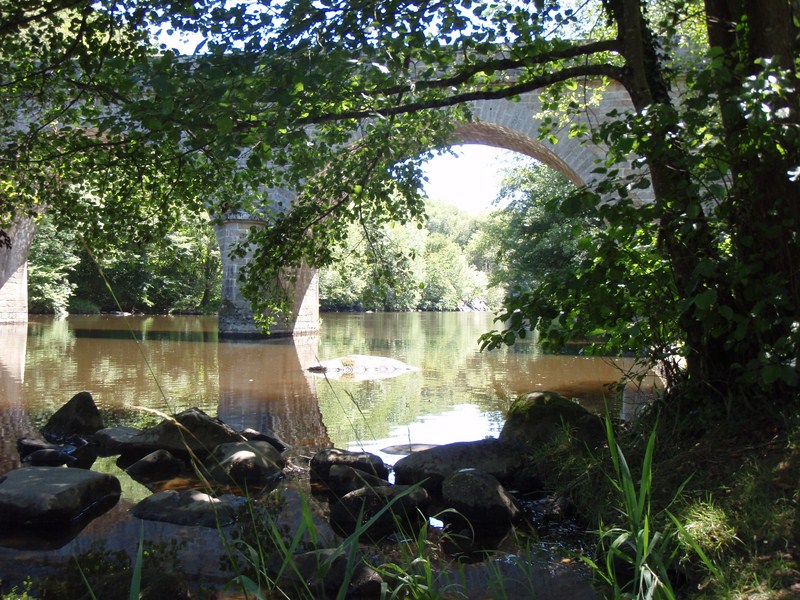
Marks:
<point>702,281</point>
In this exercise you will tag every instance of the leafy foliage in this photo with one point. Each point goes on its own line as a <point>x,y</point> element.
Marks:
<point>341,101</point>
<point>536,240</point>
<point>52,258</point>
<point>178,273</point>
<point>419,268</point>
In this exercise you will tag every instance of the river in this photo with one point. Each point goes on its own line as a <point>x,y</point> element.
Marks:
<point>137,367</point>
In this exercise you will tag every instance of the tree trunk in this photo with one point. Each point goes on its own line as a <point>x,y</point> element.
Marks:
<point>764,215</point>
<point>684,230</point>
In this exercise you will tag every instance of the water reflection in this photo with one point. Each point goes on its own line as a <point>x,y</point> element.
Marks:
<point>136,367</point>
<point>168,364</point>
<point>14,416</point>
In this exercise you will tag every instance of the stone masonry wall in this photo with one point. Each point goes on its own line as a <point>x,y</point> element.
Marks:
<point>14,272</point>
<point>235,316</point>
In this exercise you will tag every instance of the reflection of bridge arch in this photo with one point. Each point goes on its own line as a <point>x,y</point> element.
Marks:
<point>499,123</point>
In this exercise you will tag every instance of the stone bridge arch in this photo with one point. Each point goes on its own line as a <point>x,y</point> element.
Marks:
<point>511,125</point>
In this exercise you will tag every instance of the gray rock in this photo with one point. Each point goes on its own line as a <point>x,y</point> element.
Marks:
<point>396,507</point>
<point>53,495</point>
<point>343,479</point>
<point>245,463</point>
<point>500,459</point>
<point>363,461</point>
<point>189,432</point>
<point>539,417</point>
<point>479,499</point>
<point>156,466</point>
<point>189,507</point>
<point>114,440</point>
<point>79,416</point>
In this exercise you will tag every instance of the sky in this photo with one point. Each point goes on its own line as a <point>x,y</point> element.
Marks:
<point>470,181</point>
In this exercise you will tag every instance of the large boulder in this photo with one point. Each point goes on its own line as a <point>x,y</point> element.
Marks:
<point>367,462</point>
<point>189,432</point>
<point>479,499</point>
<point>189,507</point>
<point>246,464</point>
<point>52,496</point>
<point>80,416</point>
<point>540,417</point>
<point>394,508</point>
<point>500,459</point>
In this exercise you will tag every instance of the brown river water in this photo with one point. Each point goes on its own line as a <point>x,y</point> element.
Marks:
<point>136,367</point>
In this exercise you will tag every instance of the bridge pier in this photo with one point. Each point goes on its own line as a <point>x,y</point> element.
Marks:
<point>235,315</point>
<point>14,272</point>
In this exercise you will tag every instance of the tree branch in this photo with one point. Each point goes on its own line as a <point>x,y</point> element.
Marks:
<point>11,24</point>
<point>616,73</point>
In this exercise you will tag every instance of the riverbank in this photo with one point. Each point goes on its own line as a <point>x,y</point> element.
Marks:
<point>734,490</point>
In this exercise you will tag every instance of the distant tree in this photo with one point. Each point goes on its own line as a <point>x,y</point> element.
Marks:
<point>449,280</point>
<point>51,261</point>
<point>181,272</point>
<point>534,240</point>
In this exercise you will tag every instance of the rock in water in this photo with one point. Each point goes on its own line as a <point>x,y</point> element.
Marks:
<point>79,416</point>
<point>361,367</point>
<point>189,507</point>
<point>540,417</point>
<point>52,496</point>
<point>191,431</point>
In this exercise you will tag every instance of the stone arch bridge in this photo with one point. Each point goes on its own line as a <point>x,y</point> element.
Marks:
<point>499,123</point>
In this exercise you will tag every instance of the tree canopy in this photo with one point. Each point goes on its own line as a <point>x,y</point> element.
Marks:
<point>340,101</point>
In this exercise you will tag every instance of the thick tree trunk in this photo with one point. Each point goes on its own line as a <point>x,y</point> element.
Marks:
<point>764,215</point>
<point>683,229</point>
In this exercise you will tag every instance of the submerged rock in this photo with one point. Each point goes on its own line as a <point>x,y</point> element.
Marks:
<point>361,367</point>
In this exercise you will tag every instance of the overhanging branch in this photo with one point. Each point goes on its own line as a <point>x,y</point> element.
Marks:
<point>509,91</point>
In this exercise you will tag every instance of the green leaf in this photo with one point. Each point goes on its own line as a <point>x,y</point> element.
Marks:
<point>705,300</point>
